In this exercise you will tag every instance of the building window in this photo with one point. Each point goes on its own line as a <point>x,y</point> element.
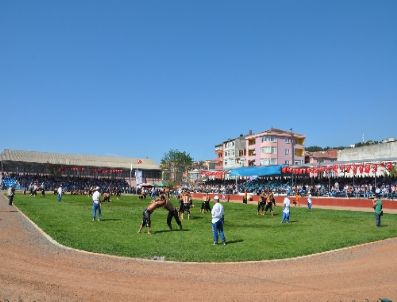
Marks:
<point>267,162</point>
<point>287,140</point>
<point>286,151</point>
<point>269,150</point>
<point>269,139</point>
<point>287,162</point>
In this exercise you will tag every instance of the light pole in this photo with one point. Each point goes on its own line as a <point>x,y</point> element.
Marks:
<point>292,147</point>
<point>130,190</point>
<point>293,154</point>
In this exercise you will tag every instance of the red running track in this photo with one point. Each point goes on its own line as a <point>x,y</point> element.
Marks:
<point>319,201</point>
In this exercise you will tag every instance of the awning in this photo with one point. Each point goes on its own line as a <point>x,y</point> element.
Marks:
<point>257,171</point>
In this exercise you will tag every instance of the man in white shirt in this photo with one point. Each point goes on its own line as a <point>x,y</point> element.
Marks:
<point>286,206</point>
<point>309,201</point>
<point>10,194</point>
<point>217,213</point>
<point>96,204</point>
<point>59,197</point>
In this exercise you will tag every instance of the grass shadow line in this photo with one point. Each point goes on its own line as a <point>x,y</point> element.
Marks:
<point>173,230</point>
<point>234,241</point>
<point>110,219</point>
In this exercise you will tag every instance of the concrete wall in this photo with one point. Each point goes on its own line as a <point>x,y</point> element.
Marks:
<point>382,151</point>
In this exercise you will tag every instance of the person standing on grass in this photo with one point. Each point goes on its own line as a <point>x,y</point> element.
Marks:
<point>269,203</point>
<point>218,215</point>
<point>296,201</point>
<point>245,198</point>
<point>96,204</point>
<point>309,201</point>
<point>59,196</point>
<point>10,195</point>
<point>286,206</point>
<point>42,189</point>
<point>205,206</point>
<point>261,203</point>
<point>377,204</point>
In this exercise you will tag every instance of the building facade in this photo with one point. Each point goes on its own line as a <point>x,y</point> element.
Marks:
<point>219,157</point>
<point>382,151</point>
<point>275,147</point>
<point>234,153</point>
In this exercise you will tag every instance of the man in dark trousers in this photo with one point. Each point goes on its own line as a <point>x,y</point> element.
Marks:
<point>172,211</point>
<point>156,203</point>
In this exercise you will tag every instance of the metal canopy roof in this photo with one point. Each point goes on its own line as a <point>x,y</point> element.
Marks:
<point>78,160</point>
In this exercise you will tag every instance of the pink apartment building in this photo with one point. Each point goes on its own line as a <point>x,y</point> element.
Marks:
<point>219,157</point>
<point>275,147</point>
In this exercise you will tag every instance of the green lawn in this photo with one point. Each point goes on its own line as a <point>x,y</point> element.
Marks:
<point>249,237</point>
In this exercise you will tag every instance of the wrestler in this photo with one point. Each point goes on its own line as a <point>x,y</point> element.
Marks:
<point>156,203</point>
<point>172,212</point>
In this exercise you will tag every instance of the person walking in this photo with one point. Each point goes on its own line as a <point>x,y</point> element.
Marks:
<point>96,204</point>
<point>377,204</point>
<point>59,197</point>
<point>286,206</point>
<point>218,214</point>
<point>10,195</point>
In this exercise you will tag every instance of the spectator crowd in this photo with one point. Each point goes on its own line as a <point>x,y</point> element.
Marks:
<point>365,187</point>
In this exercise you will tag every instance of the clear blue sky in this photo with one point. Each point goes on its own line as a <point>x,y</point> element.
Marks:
<point>138,78</point>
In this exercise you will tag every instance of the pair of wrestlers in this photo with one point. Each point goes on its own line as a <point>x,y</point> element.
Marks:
<point>265,203</point>
<point>159,202</point>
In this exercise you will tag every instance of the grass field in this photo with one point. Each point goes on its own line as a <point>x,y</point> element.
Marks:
<point>249,237</point>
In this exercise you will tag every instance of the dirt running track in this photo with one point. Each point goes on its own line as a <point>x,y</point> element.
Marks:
<point>34,269</point>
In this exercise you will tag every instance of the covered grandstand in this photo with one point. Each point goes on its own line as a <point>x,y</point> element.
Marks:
<point>58,164</point>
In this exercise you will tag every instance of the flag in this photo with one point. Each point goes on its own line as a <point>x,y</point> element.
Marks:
<point>138,177</point>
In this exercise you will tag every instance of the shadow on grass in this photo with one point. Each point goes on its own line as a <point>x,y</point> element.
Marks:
<point>110,219</point>
<point>194,218</point>
<point>234,241</point>
<point>174,230</point>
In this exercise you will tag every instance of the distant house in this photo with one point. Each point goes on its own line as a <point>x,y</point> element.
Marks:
<point>321,157</point>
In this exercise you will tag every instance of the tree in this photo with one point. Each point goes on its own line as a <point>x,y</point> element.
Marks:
<point>313,148</point>
<point>174,164</point>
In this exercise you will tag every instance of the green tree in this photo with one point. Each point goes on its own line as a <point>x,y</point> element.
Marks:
<point>313,148</point>
<point>174,164</point>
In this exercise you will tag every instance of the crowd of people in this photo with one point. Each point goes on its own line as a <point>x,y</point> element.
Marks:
<point>336,187</point>
<point>29,183</point>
